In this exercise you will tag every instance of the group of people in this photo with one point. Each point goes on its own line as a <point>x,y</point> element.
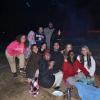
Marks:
<point>43,59</point>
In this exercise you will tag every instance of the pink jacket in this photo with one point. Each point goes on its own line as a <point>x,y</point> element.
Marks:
<point>15,48</point>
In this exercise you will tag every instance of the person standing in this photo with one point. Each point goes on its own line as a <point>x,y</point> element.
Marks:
<point>31,38</point>
<point>58,36</point>
<point>40,37</point>
<point>16,49</point>
<point>48,31</point>
<point>31,41</point>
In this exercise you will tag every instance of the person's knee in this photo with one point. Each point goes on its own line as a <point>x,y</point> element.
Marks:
<point>21,56</point>
<point>60,74</point>
<point>71,81</point>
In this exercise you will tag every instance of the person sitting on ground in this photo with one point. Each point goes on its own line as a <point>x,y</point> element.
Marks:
<point>43,48</point>
<point>58,58</point>
<point>32,64</point>
<point>88,61</point>
<point>16,49</point>
<point>40,37</point>
<point>70,70</point>
<point>46,77</point>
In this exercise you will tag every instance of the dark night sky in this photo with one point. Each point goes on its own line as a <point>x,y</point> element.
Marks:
<point>76,17</point>
<point>17,16</point>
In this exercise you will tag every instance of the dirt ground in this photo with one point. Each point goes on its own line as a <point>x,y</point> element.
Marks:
<point>11,89</point>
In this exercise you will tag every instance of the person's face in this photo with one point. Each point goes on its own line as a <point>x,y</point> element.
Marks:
<point>50,25</point>
<point>56,46</point>
<point>44,46</point>
<point>68,48</point>
<point>84,51</point>
<point>72,55</point>
<point>47,56</point>
<point>23,39</point>
<point>33,36</point>
<point>35,49</point>
<point>40,29</point>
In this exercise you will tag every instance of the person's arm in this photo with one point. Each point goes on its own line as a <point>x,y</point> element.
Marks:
<point>62,61</point>
<point>28,68</point>
<point>52,39</point>
<point>37,73</point>
<point>93,66</point>
<point>51,64</point>
<point>44,39</point>
<point>78,58</point>
<point>43,67</point>
<point>65,70</point>
<point>82,68</point>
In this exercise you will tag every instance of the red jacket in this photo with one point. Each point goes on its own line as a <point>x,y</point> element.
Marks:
<point>71,70</point>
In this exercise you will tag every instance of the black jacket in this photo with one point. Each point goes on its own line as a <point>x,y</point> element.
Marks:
<point>59,59</point>
<point>46,77</point>
<point>32,65</point>
<point>57,38</point>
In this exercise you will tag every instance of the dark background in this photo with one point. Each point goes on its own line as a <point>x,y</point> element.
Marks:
<point>76,17</point>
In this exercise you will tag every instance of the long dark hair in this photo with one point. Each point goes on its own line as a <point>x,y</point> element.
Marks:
<point>18,39</point>
<point>69,58</point>
<point>88,60</point>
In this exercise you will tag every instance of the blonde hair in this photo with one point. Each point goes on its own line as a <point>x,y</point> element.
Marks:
<point>88,50</point>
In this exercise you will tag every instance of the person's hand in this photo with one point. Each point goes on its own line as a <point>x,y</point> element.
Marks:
<point>88,76</point>
<point>62,51</point>
<point>51,64</point>
<point>65,60</point>
<point>29,80</point>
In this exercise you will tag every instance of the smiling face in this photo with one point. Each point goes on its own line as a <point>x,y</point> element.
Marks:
<point>68,47</point>
<point>35,49</point>
<point>56,46</point>
<point>44,46</point>
<point>40,30</point>
<point>47,56</point>
<point>71,54</point>
<point>84,51</point>
<point>23,39</point>
<point>50,25</point>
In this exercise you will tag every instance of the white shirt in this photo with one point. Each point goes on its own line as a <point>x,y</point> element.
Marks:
<point>92,69</point>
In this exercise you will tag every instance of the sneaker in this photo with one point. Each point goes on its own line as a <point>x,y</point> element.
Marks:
<point>22,70</point>
<point>57,88</point>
